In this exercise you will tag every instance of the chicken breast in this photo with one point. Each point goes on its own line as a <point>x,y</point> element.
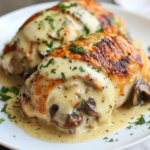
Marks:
<point>48,29</point>
<point>77,86</point>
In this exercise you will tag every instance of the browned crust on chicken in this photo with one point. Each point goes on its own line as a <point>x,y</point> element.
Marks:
<point>114,54</point>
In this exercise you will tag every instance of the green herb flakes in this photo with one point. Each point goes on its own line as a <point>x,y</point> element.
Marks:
<point>105,138</point>
<point>14,90</point>
<point>149,49</point>
<point>16,106</point>
<point>98,37</point>
<point>65,22</point>
<point>49,62</point>
<point>43,25</point>
<point>4,109</point>
<point>1,120</point>
<point>131,134</point>
<point>101,30</point>
<point>62,40</point>
<point>81,69</point>
<point>129,127</point>
<point>58,31</point>
<point>58,87</point>
<point>1,56</point>
<point>9,116</point>
<point>64,6</point>
<point>111,140</point>
<point>93,67</point>
<point>63,77</point>
<point>85,30</point>
<point>74,68</point>
<point>4,97</point>
<point>77,49</point>
<point>84,37</point>
<point>53,71</point>
<point>38,129</point>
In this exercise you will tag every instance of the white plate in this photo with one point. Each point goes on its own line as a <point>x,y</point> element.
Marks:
<point>139,28</point>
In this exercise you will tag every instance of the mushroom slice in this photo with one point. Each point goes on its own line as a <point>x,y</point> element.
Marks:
<point>89,107</point>
<point>65,121</point>
<point>16,64</point>
<point>141,92</point>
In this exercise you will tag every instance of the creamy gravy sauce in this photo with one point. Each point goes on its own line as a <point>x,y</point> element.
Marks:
<point>120,118</point>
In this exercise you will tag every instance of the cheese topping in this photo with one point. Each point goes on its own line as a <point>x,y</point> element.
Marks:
<point>77,89</point>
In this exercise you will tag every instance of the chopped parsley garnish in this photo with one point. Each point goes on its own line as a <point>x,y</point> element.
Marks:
<point>38,129</point>
<point>1,56</point>
<point>53,71</point>
<point>1,120</point>
<point>50,45</point>
<point>98,71</point>
<point>114,21</point>
<point>99,37</point>
<point>73,77</point>
<point>43,25</point>
<point>84,36</point>
<point>35,21</point>
<point>85,30</point>
<point>116,139</point>
<point>77,49</point>
<point>149,127</point>
<point>149,49</point>
<point>105,138</point>
<point>4,97</point>
<point>64,6</point>
<point>49,62</point>
<point>74,68</point>
<point>101,30</point>
<point>100,68</point>
<point>58,87</point>
<point>63,77</point>
<point>129,127</point>
<point>131,134</point>
<point>4,109</point>
<point>55,38</point>
<point>75,13</point>
<point>139,121</point>
<point>9,116</point>
<point>149,109</point>
<point>111,140</point>
<point>51,20</point>
<point>93,67</point>
<point>65,22</point>
<point>48,51</point>
<point>4,89</point>
<point>62,40</point>
<point>81,69</point>
<point>16,106</point>
<point>58,31</point>
<point>92,13</point>
<point>14,90</point>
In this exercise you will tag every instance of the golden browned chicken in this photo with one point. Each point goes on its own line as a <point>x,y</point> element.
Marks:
<point>77,86</point>
<point>48,29</point>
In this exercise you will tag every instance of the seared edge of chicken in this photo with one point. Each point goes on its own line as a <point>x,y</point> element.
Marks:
<point>77,86</point>
<point>48,29</point>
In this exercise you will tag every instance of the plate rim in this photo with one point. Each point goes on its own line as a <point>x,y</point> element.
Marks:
<point>105,5</point>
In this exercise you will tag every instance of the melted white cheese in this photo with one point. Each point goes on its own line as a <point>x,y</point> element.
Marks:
<point>75,91</point>
<point>64,27</point>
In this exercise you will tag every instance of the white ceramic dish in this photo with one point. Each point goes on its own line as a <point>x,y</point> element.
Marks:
<point>139,28</point>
